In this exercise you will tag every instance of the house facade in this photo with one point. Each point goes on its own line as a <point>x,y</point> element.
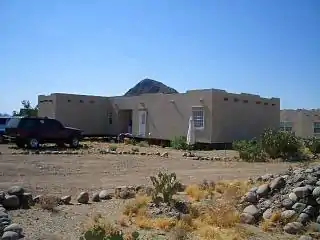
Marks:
<point>219,116</point>
<point>303,123</point>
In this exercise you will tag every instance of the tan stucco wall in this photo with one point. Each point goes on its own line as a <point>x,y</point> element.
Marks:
<point>302,120</point>
<point>47,106</point>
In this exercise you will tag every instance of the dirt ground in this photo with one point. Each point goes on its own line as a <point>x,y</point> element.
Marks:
<point>90,171</point>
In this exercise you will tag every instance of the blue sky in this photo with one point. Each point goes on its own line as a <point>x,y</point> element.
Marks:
<point>271,48</point>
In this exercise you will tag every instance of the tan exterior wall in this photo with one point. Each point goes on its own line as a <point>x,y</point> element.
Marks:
<point>242,116</point>
<point>168,114</point>
<point>302,121</point>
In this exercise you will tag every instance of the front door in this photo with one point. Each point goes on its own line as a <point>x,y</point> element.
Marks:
<point>142,123</point>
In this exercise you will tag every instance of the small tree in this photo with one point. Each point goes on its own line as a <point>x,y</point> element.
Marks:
<point>26,110</point>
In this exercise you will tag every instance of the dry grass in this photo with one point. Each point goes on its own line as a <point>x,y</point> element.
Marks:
<point>275,222</point>
<point>99,223</point>
<point>48,202</point>
<point>137,206</point>
<point>196,193</point>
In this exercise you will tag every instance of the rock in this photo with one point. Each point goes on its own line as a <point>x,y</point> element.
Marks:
<point>2,196</point>
<point>303,218</point>
<point>293,197</point>
<point>26,200</point>
<point>11,202</point>
<point>287,203</point>
<point>310,210</point>
<point>266,177</point>
<point>14,227</point>
<point>299,207</point>
<point>305,237</point>
<point>316,192</point>
<point>277,183</point>
<point>16,190</point>
<point>165,154</point>
<point>287,214</point>
<point>95,197</point>
<point>251,197</point>
<point>263,190</point>
<point>83,198</point>
<point>105,195</point>
<point>66,199</point>
<point>265,204</point>
<point>293,228</point>
<point>302,192</point>
<point>252,210</point>
<point>267,214</point>
<point>9,235</point>
<point>37,198</point>
<point>247,218</point>
<point>315,227</point>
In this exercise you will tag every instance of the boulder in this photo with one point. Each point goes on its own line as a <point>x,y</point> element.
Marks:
<point>263,190</point>
<point>66,199</point>
<point>277,183</point>
<point>247,218</point>
<point>293,228</point>
<point>14,227</point>
<point>105,195</point>
<point>252,210</point>
<point>9,235</point>
<point>302,192</point>
<point>83,198</point>
<point>95,197</point>
<point>11,202</point>
<point>16,190</point>
<point>287,214</point>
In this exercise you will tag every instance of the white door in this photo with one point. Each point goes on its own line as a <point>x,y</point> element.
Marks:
<point>142,123</point>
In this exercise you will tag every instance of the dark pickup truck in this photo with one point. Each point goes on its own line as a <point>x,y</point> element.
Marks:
<point>33,131</point>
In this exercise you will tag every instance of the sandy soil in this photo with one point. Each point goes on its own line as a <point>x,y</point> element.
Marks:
<point>70,174</point>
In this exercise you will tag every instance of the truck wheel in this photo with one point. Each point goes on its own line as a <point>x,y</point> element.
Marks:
<point>33,143</point>
<point>74,142</point>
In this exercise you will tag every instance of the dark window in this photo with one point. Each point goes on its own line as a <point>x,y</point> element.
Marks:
<point>265,103</point>
<point>258,102</point>
<point>110,118</point>
<point>91,101</point>
<point>81,101</point>
<point>69,100</point>
<point>236,100</point>
<point>51,124</point>
<point>13,123</point>
<point>3,121</point>
<point>273,104</point>
<point>245,101</point>
<point>225,99</point>
<point>29,123</point>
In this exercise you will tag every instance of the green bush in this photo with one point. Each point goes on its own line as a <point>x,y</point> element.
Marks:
<point>143,144</point>
<point>313,145</point>
<point>280,144</point>
<point>250,151</point>
<point>165,184</point>
<point>179,143</point>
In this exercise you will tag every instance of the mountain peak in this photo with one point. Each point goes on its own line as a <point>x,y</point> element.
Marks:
<point>149,86</point>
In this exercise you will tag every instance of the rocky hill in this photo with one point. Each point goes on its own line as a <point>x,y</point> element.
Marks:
<point>149,86</point>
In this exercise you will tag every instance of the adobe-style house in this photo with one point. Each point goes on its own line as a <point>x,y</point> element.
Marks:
<point>303,123</point>
<point>219,116</point>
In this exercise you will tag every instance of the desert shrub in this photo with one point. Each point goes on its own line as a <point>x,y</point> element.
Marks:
<point>165,184</point>
<point>179,143</point>
<point>135,149</point>
<point>314,145</point>
<point>250,151</point>
<point>137,206</point>
<point>48,202</point>
<point>143,144</point>
<point>280,144</point>
<point>113,147</point>
<point>99,229</point>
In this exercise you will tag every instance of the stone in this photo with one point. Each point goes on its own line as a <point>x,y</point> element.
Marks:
<point>105,195</point>
<point>252,210</point>
<point>266,177</point>
<point>299,207</point>
<point>9,235</point>
<point>247,218</point>
<point>251,197</point>
<point>267,214</point>
<point>293,197</point>
<point>316,192</point>
<point>83,198</point>
<point>37,198</point>
<point>265,204</point>
<point>303,218</point>
<point>2,196</point>
<point>26,200</point>
<point>66,199</point>
<point>310,210</point>
<point>293,228</point>
<point>11,202</point>
<point>14,227</point>
<point>165,154</point>
<point>287,203</point>
<point>16,190</point>
<point>305,237</point>
<point>302,192</point>
<point>263,190</point>
<point>277,183</point>
<point>315,227</point>
<point>95,197</point>
<point>287,214</point>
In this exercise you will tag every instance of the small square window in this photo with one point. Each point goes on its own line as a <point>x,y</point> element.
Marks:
<point>91,101</point>
<point>273,104</point>
<point>245,101</point>
<point>69,100</point>
<point>81,101</point>
<point>236,100</point>
<point>110,118</point>
<point>225,99</point>
<point>258,102</point>
<point>266,104</point>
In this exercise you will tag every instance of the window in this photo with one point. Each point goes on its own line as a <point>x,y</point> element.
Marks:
<point>273,104</point>
<point>91,101</point>
<point>81,101</point>
<point>258,102</point>
<point>316,128</point>
<point>69,100</point>
<point>3,121</point>
<point>198,117</point>
<point>110,118</point>
<point>236,100</point>
<point>52,124</point>
<point>266,104</point>
<point>225,99</point>
<point>286,126</point>
<point>245,101</point>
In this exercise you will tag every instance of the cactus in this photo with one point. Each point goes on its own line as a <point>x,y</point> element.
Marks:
<point>165,184</point>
